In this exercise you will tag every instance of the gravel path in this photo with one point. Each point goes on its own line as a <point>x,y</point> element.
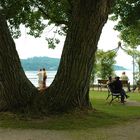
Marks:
<point>127,131</point>
<point>132,103</point>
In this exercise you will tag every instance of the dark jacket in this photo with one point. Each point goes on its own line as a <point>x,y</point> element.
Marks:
<point>116,86</point>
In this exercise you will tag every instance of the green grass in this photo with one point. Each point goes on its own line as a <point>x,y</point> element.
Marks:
<point>115,109</point>
<point>104,115</point>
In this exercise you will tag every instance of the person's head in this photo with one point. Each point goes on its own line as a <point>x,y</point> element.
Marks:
<point>117,78</point>
<point>123,73</point>
<point>44,69</point>
<point>40,69</point>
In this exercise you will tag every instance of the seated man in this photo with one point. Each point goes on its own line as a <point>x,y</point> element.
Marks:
<point>124,77</point>
<point>116,87</point>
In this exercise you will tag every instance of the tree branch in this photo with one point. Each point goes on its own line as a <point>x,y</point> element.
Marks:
<point>58,22</point>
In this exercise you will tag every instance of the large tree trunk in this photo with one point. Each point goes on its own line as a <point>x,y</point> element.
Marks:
<point>71,85</point>
<point>70,88</point>
<point>16,91</point>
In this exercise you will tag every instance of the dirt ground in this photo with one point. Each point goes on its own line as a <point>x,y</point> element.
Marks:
<point>125,131</point>
<point>129,131</point>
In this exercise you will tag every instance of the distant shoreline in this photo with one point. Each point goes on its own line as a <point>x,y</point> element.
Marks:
<point>51,64</point>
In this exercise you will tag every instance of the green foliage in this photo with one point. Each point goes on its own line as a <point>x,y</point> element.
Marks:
<point>32,13</point>
<point>104,63</point>
<point>131,35</point>
<point>137,66</point>
<point>128,14</point>
<point>127,11</point>
<point>136,58</point>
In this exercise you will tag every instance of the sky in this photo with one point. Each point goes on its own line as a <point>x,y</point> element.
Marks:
<point>28,46</point>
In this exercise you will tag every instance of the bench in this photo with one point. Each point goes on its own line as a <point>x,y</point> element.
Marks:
<point>102,83</point>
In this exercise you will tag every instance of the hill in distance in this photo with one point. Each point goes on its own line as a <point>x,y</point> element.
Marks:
<point>35,63</point>
<point>116,67</point>
<point>51,64</point>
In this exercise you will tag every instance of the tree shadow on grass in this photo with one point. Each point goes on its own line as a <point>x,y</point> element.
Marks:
<point>69,121</point>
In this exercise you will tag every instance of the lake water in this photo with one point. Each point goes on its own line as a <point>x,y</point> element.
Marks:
<point>32,76</point>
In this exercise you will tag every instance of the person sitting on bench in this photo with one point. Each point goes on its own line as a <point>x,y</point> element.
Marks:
<point>124,77</point>
<point>116,87</point>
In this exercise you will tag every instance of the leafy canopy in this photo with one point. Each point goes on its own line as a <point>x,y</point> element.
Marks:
<point>32,14</point>
<point>104,62</point>
<point>128,14</point>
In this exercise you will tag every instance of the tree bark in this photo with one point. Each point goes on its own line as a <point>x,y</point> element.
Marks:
<point>16,91</point>
<point>70,88</point>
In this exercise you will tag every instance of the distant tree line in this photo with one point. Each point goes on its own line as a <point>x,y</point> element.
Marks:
<point>35,63</point>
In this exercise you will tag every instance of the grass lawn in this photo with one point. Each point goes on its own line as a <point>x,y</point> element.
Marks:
<point>103,116</point>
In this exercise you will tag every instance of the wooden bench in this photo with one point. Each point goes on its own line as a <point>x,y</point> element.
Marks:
<point>102,83</point>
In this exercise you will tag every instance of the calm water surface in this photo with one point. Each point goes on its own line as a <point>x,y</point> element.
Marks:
<point>32,75</point>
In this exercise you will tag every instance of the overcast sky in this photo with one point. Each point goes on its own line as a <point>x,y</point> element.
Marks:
<point>28,46</point>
